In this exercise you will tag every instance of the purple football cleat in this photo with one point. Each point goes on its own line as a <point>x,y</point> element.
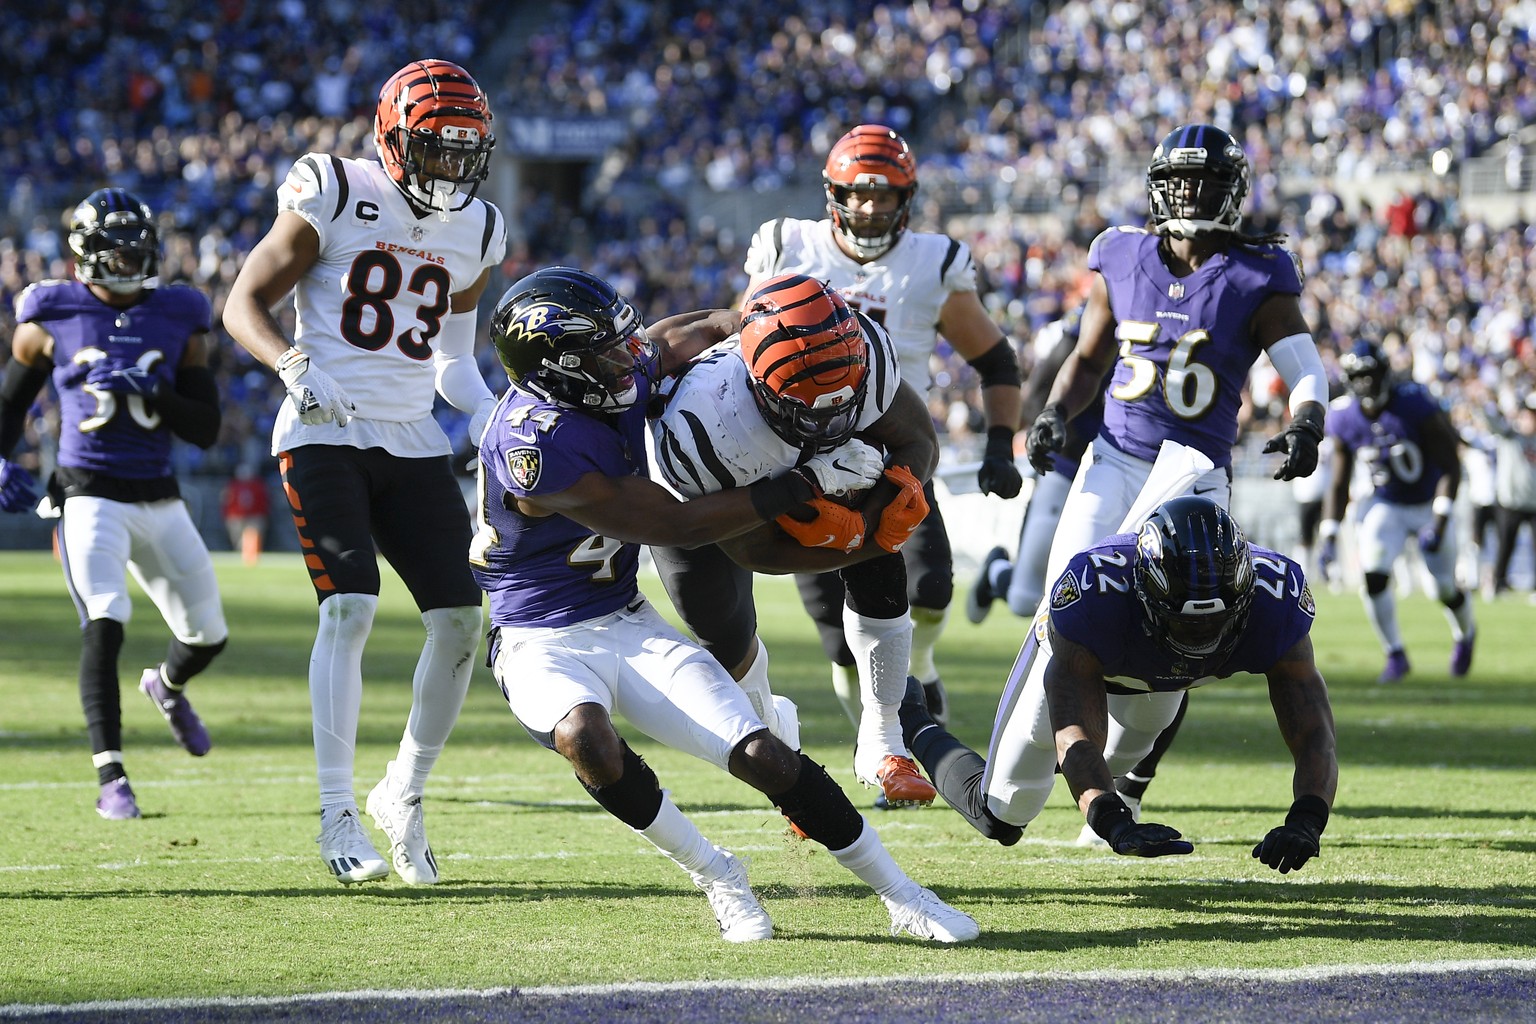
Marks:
<point>1461,655</point>
<point>116,802</point>
<point>1397,667</point>
<point>185,725</point>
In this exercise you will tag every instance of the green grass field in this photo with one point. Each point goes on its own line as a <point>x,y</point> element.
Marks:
<point>1430,855</point>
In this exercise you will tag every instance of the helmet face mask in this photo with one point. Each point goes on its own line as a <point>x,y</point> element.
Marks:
<point>1196,182</point>
<point>113,237</point>
<point>870,159</point>
<point>432,130</point>
<point>807,360</point>
<point>569,338</point>
<point>1367,372</point>
<point>1194,577</point>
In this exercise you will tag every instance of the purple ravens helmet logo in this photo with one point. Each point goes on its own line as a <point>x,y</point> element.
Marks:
<point>548,321</point>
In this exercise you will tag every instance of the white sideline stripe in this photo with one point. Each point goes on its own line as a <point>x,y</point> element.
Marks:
<point>1281,974</point>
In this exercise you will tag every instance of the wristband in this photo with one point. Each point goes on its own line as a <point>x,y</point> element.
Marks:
<point>1107,815</point>
<point>290,366</point>
<point>1000,442</point>
<point>1328,529</point>
<point>1442,505</point>
<point>1309,813</point>
<point>775,496</point>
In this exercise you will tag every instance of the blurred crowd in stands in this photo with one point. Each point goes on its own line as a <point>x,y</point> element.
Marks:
<point>1032,124</point>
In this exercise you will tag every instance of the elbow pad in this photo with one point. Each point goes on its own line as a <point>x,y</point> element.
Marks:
<point>998,366</point>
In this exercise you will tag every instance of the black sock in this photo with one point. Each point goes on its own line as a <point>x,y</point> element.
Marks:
<point>956,770</point>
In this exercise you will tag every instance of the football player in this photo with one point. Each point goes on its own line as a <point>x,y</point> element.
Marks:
<point>564,507</point>
<point>1408,448</point>
<point>804,374</point>
<point>919,286</point>
<point>1177,314</point>
<point>129,359</point>
<point>387,262</point>
<point>1135,621</point>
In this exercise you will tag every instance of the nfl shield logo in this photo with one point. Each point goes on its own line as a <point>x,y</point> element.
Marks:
<point>1176,290</point>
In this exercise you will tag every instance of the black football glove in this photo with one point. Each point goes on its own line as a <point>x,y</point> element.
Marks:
<point>1112,820</point>
<point>998,475</point>
<point>1046,435</point>
<point>1289,846</point>
<point>1299,442</point>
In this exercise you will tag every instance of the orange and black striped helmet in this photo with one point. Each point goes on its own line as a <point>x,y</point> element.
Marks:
<point>807,358</point>
<point>870,158</point>
<point>433,132</point>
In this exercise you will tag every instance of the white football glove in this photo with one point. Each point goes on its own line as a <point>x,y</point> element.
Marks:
<point>317,397</point>
<point>851,466</point>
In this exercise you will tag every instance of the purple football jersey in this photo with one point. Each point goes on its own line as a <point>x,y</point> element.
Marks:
<point>1391,446</point>
<point>114,434</point>
<point>550,570</point>
<point>1185,347</point>
<point>1094,604</point>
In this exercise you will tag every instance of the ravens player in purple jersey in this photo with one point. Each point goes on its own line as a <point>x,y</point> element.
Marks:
<point>1409,449</point>
<point>1178,313</point>
<point>130,363</point>
<point>1133,622</point>
<point>565,503</point>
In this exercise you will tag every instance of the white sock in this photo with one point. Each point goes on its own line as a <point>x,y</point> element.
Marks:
<point>336,692</point>
<point>871,862</point>
<point>437,693</point>
<point>845,684</point>
<point>1381,609</point>
<point>927,627</point>
<point>1462,624</point>
<point>882,650</point>
<point>677,837</point>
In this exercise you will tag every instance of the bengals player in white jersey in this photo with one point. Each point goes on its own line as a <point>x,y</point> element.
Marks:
<point>918,285</point>
<point>386,263</point>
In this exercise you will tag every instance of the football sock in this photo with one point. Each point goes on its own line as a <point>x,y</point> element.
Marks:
<point>184,661</point>
<point>927,626</point>
<point>109,766</point>
<point>845,684</point>
<point>882,650</point>
<point>336,692</point>
<point>867,858</point>
<point>635,798</point>
<point>1459,611</point>
<point>1381,610</point>
<point>754,682</point>
<point>437,692</point>
<point>678,838</point>
<point>101,640</point>
<point>956,770</point>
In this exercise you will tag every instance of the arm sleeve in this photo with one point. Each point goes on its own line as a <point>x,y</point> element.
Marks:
<point>192,409</point>
<point>458,376</point>
<point>18,388</point>
<point>1296,360</point>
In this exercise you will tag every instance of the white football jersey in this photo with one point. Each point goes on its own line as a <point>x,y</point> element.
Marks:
<point>902,290</point>
<point>370,308</point>
<point>710,434</point>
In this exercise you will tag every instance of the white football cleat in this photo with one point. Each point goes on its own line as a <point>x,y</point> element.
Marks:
<point>1088,837</point>
<point>741,917</point>
<point>918,912</point>
<point>347,851</point>
<point>401,821</point>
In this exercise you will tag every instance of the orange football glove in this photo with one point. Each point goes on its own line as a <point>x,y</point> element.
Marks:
<point>842,529</point>
<point>900,519</point>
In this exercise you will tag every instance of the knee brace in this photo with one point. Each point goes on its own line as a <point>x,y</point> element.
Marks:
<point>635,799</point>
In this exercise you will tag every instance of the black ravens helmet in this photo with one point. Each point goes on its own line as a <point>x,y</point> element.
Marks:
<point>1367,371</point>
<point>1196,182</point>
<point>1194,575</point>
<point>112,234</point>
<point>568,337</point>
